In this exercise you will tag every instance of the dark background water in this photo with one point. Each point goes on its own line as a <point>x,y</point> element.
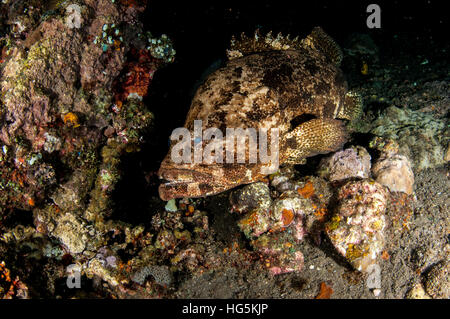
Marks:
<point>201,33</point>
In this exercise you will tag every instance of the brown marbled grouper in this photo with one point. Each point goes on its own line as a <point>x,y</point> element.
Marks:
<point>268,82</point>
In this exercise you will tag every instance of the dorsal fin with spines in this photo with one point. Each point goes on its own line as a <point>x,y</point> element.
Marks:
<point>246,45</point>
<point>317,39</point>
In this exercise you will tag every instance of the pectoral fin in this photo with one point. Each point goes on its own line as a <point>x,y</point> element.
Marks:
<point>317,136</point>
<point>321,41</point>
<point>352,108</point>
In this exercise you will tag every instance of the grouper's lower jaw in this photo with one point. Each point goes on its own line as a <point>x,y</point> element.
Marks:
<point>173,174</point>
<point>168,191</point>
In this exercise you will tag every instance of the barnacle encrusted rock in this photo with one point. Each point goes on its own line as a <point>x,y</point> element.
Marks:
<point>293,86</point>
<point>357,228</point>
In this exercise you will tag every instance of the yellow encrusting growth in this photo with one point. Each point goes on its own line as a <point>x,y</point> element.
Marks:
<point>356,251</point>
<point>71,119</point>
<point>365,68</point>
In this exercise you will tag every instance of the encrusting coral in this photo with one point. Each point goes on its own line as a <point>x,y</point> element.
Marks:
<point>72,84</point>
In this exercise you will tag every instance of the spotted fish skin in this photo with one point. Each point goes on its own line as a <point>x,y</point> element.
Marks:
<point>298,89</point>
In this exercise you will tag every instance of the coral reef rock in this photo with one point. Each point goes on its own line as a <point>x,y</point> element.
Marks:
<point>280,255</point>
<point>72,81</point>
<point>276,226</point>
<point>395,172</point>
<point>349,163</point>
<point>357,228</point>
<point>252,196</point>
<point>65,95</point>
<point>421,136</point>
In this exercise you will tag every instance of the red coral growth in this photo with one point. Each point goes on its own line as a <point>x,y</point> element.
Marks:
<point>137,75</point>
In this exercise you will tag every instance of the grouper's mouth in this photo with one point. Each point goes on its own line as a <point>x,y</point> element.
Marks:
<point>179,176</point>
<point>181,189</point>
<point>182,182</point>
<point>166,182</point>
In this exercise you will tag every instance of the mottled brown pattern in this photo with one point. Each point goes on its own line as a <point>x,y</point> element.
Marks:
<point>267,89</point>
